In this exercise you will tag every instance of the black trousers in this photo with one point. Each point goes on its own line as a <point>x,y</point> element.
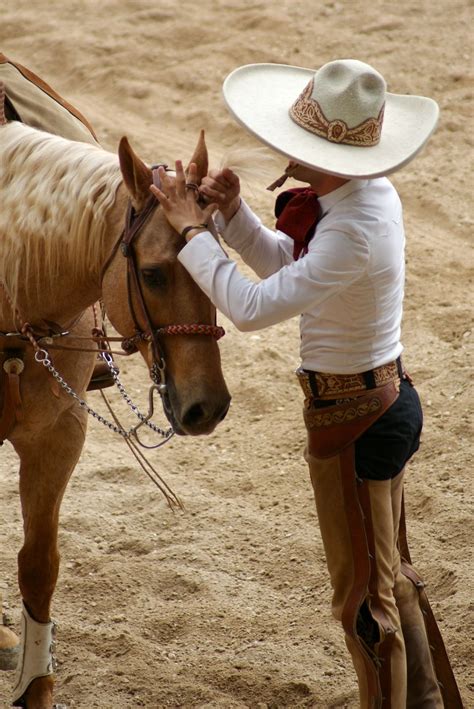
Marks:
<point>384,449</point>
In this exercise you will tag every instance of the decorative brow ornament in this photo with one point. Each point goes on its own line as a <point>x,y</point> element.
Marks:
<point>307,113</point>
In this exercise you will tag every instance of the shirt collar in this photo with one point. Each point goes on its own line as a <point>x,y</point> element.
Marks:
<point>328,201</point>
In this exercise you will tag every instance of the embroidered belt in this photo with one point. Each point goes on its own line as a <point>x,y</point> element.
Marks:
<point>321,385</point>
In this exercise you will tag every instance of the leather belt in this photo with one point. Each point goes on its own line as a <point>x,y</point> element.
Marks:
<point>322,385</point>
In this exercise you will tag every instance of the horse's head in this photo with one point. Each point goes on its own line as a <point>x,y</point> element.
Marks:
<point>146,289</point>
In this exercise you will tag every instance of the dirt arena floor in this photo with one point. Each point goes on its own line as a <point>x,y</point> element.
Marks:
<point>227,604</point>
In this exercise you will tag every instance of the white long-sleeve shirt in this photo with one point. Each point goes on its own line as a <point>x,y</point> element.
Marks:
<point>348,288</point>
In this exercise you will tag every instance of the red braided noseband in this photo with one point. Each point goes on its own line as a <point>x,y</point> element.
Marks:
<point>196,329</point>
<point>129,344</point>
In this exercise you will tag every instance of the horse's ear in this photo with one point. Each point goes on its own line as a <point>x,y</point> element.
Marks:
<point>137,176</point>
<point>200,157</point>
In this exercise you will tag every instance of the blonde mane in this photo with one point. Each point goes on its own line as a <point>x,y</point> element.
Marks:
<point>55,196</point>
<point>256,165</point>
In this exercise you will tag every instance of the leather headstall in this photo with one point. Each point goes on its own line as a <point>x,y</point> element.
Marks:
<point>134,223</point>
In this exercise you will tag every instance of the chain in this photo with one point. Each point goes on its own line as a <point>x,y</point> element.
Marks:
<point>114,371</point>
<point>42,357</point>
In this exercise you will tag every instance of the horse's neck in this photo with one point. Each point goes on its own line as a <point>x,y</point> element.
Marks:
<point>59,219</point>
<point>63,299</point>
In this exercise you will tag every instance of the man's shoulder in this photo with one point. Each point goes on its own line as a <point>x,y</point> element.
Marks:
<point>365,212</point>
<point>376,197</point>
<point>376,188</point>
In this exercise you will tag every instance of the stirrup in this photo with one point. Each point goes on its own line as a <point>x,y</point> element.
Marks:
<point>101,377</point>
<point>36,657</point>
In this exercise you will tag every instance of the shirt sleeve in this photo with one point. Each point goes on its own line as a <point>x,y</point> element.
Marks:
<point>335,260</point>
<point>264,250</point>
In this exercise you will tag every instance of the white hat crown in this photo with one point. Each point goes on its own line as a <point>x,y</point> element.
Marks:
<point>344,103</point>
<point>349,90</point>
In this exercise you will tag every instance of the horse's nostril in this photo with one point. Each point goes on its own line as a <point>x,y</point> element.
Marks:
<point>200,416</point>
<point>194,416</point>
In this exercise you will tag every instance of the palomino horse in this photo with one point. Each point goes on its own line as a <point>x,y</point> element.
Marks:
<point>63,246</point>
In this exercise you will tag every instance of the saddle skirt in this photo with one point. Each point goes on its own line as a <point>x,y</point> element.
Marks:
<point>32,101</point>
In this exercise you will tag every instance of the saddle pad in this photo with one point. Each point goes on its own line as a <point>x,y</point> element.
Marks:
<point>34,102</point>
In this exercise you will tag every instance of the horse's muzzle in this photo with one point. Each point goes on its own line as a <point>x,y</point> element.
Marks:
<point>195,416</point>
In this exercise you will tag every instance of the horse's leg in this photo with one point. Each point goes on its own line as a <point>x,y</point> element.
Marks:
<point>46,465</point>
<point>8,648</point>
<point>8,645</point>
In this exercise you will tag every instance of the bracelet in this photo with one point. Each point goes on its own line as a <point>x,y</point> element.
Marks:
<point>187,229</point>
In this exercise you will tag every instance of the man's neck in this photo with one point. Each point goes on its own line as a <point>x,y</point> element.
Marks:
<point>324,184</point>
<point>321,182</point>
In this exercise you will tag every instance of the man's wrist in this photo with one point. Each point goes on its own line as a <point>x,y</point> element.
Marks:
<point>193,230</point>
<point>231,210</point>
<point>194,233</point>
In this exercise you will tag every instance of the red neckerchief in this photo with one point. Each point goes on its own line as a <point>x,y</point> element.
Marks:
<point>297,211</point>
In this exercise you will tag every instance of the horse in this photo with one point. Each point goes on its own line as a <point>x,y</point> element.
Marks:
<point>78,225</point>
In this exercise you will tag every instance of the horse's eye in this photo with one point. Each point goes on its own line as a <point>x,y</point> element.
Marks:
<point>153,277</point>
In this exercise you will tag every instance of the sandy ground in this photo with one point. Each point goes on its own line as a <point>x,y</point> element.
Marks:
<point>227,604</point>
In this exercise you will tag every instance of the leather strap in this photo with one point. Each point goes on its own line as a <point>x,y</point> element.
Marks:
<point>12,410</point>
<point>387,632</point>
<point>362,571</point>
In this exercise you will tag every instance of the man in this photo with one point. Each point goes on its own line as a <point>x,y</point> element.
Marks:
<point>337,258</point>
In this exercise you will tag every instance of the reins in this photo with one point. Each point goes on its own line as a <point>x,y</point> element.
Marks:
<point>12,412</point>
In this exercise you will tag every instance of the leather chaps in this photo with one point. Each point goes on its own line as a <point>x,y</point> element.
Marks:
<point>391,634</point>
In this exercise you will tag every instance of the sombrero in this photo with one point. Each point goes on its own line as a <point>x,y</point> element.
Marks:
<point>339,119</point>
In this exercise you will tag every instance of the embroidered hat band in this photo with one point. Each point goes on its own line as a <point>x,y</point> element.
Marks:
<point>308,114</point>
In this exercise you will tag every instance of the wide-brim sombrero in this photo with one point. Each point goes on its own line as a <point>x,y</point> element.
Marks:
<point>260,96</point>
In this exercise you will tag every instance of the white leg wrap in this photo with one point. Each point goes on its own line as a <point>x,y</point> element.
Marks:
<point>36,657</point>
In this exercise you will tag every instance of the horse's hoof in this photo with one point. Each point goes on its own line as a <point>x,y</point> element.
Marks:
<point>9,649</point>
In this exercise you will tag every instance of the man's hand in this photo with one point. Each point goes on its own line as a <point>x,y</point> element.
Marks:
<point>178,199</point>
<point>223,188</point>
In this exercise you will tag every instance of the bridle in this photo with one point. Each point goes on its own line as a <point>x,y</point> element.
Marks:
<point>134,223</point>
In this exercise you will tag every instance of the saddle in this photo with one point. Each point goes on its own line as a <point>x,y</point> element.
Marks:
<point>32,101</point>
